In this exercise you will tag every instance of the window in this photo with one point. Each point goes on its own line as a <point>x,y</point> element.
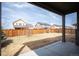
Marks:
<point>70,26</point>
<point>32,15</point>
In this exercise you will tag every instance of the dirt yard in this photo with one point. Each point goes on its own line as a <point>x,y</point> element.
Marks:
<point>20,44</point>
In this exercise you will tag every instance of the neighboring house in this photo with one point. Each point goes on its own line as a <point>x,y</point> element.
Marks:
<point>69,27</point>
<point>29,26</point>
<point>20,24</point>
<point>41,25</point>
<point>54,26</point>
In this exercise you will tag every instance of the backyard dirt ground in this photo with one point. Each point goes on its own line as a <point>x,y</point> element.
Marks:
<point>20,44</point>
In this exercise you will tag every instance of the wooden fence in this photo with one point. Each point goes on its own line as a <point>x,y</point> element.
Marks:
<point>19,32</point>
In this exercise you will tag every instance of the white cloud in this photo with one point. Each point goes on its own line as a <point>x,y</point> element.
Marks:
<point>23,4</point>
<point>19,6</point>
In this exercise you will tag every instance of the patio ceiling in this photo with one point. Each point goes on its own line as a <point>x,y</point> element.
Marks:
<point>59,7</point>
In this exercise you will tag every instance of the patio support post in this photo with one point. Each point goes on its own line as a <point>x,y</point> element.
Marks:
<point>63,28</point>
<point>77,30</point>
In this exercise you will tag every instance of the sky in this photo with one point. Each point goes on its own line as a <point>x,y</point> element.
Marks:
<point>12,11</point>
<point>71,19</point>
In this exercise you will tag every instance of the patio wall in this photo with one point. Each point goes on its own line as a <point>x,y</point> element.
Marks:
<point>19,32</point>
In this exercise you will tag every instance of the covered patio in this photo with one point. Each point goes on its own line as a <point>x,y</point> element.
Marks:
<point>61,48</point>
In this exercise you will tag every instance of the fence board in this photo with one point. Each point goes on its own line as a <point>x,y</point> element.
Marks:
<point>19,32</point>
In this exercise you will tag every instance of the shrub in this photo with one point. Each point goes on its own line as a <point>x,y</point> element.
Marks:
<point>2,37</point>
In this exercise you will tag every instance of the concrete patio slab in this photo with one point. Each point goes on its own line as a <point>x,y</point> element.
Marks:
<point>55,49</point>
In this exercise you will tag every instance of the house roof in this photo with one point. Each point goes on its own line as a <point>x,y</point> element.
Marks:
<point>57,25</point>
<point>18,20</point>
<point>59,7</point>
<point>41,23</point>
